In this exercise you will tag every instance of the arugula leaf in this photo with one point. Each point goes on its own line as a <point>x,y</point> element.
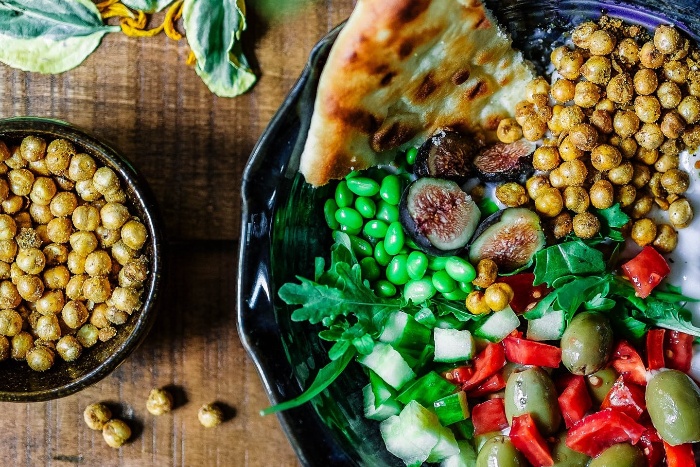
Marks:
<point>214,30</point>
<point>613,217</point>
<point>568,258</point>
<point>457,309</point>
<point>148,6</point>
<point>324,378</point>
<point>49,36</point>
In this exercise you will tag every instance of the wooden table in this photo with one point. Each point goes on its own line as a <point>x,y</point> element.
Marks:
<point>191,146</point>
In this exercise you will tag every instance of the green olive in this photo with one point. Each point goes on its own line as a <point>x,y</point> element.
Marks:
<point>600,383</point>
<point>586,343</point>
<point>499,451</point>
<point>564,456</point>
<point>620,455</point>
<point>673,402</point>
<point>532,391</point>
<point>480,440</point>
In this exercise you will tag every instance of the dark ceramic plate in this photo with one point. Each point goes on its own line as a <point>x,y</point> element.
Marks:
<point>283,231</point>
<point>18,382</point>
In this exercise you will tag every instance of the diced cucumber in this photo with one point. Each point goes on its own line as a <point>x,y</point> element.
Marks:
<point>550,327</point>
<point>452,345</point>
<point>463,429</point>
<point>379,411</point>
<point>402,330</point>
<point>452,409</point>
<point>388,364</point>
<point>465,458</point>
<point>426,390</point>
<point>498,325</point>
<point>416,436</point>
<point>417,360</point>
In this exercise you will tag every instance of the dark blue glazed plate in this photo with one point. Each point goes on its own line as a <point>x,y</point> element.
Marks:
<point>283,231</point>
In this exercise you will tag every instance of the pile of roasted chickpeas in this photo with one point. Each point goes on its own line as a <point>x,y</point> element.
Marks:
<point>71,267</point>
<point>621,108</point>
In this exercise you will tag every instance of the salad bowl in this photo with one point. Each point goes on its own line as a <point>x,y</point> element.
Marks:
<point>283,230</point>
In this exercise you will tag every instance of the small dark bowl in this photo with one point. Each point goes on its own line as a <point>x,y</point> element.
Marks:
<point>283,230</point>
<point>19,383</point>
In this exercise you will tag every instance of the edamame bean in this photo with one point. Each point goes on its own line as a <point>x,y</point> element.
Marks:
<point>350,230</point>
<point>353,174</point>
<point>466,287</point>
<point>360,246</point>
<point>411,244</point>
<point>443,282</point>
<point>387,213</point>
<point>366,207</point>
<point>375,228</point>
<point>390,189</point>
<point>460,269</point>
<point>384,288</point>
<point>396,271</point>
<point>436,263</point>
<point>370,269</point>
<point>329,209</point>
<point>394,240</point>
<point>363,186</point>
<point>456,294</point>
<point>349,217</point>
<point>419,290</point>
<point>417,265</point>
<point>380,254</point>
<point>343,196</point>
<point>411,156</point>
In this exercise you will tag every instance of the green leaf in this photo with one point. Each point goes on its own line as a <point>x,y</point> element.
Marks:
<point>613,216</point>
<point>324,378</point>
<point>574,257</point>
<point>451,307</point>
<point>149,6</point>
<point>214,30</point>
<point>49,36</point>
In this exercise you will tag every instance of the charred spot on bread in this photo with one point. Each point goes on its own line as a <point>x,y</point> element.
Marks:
<point>411,10</point>
<point>460,76</point>
<point>480,89</point>
<point>392,136</point>
<point>426,88</point>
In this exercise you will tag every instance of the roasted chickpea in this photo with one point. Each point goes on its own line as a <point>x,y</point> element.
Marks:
<point>641,175</point>
<point>86,218</point>
<point>511,194</point>
<point>134,273</point>
<point>97,289</point>
<point>524,110</point>
<point>562,225</point>
<point>549,203</point>
<point>675,181</point>
<point>581,35</point>
<point>159,402</point>
<point>666,238</point>
<point>5,270</point>
<point>40,358</point>
<point>486,273</point>
<point>74,288</point>
<point>622,174</point>
<point>676,71</point>
<point>498,296</point>
<point>606,105</point>
<point>557,54</point>
<point>12,204</point>
<point>58,156</point>
<point>115,433</point>
<point>40,214</point>
<point>476,303</point>
<point>81,167</point>
<point>647,108</point>
<point>87,191</point>
<point>105,180</point>
<point>83,242</point>
<point>573,173</point>
<point>509,130</point>
<point>650,56</point>
<point>545,158</point>
<point>21,343</point>
<point>98,263</point>
<point>30,287</point>
<point>645,81</point>
<point>628,51</point>
<point>628,147</point>
<point>59,230</point>
<point>669,95</point>
<point>69,348</point>
<point>620,89</point>
<point>680,213</point>
<point>672,125</point>
<point>8,227</point>
<point>533,129</point>
<point>625,123</point>
<point>30,260</point>
<point>568,150</point>
<point>87,335</point>
<point>134,234</point>
<point>541,105</point>
<point>556,179</point>
<point>570,64</point>
<point>576,199</point>
<point>98,317</point>
<point>126,299</point>
<point>75,263</point>
<point>116,316</point>
<point>15,161</point>
<point>74,314</point>
<point>534,186</point>
<point>32,148</point>
<point>690,137</point>
<point>647,156</point>
<point>8,250</point>
<point>655,186</point>
<point>57,277</point>
<point>649,136</point>
<point>538,85</point>
<point>10,323</point>
<point>602,42</point>
<point>47,328</point>
<point>584,136</point>
<point>42,191</point>
<point>625,195</point>
<point>586,225</point>
<point>689,108</point>
<point>563,90</point>
<point>63,204</point>
<point>21,181</point>
<point>694,82</point>
<point>602,194</point>
<point>51,302</point>
<point>667,39</point>
<point>122,253</point>
<point>601,121</point>
<point>114,215</point>
<point>605,157</point>
<point>643,231</point>
<point>571,116</point>
<point>107,237</point>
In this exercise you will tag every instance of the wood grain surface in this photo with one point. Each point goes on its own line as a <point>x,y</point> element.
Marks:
<point>191,146</point>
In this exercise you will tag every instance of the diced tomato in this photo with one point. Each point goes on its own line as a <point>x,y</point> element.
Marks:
<point>655,349</point>
<point>528,440</point>
<point>525,294</point>
<point>628,363</point>
<point>489,416</point>
<point>529,352</point>
<point>626,397</point>
<point>486,363</point>
<point>679,456</point>
<point>678,347</point>
<point>598,431</point>
<point>563,381</point>
<point>646,270</point>
<point>493,383</point>
<point>652,446</point>
<point>459,375</point>
<point>575,401</point>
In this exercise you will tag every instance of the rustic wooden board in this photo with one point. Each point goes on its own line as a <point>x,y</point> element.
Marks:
<point>191,146</point>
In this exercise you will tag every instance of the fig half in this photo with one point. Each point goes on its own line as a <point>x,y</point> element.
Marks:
<point>510,237</point>
<point>438,215</point>
<point>446,154</point>
<point>505,162</point>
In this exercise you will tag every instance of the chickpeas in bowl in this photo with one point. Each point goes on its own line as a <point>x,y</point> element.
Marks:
<point>79,261</point>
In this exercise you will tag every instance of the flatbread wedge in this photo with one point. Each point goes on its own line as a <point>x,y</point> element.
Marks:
<point>402,69</point>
